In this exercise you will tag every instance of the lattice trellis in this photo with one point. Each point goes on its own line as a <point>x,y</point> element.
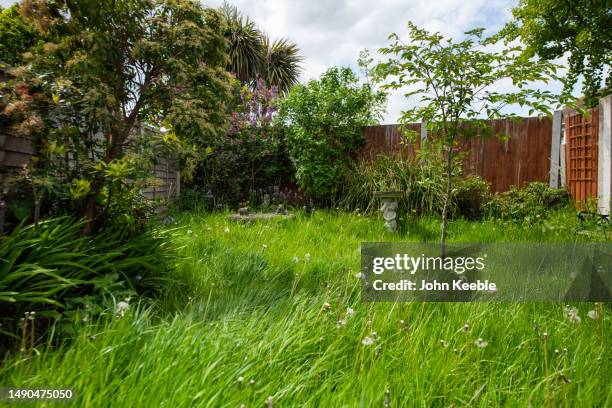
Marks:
<point>581,135</point>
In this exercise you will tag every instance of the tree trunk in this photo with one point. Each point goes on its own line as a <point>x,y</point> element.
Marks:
<point>449,186</point>
<point>90,209</point>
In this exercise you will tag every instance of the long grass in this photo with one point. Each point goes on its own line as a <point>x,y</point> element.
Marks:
<point>264,310</point>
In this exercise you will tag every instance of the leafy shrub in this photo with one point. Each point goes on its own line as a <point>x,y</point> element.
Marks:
<point>325,120</point>
<point>251,156</point>
<point>57,271</point>
<point>420,181</point>
<point>471,196</point>
<point>530,204</point>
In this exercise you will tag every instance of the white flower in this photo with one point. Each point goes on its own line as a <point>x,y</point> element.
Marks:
<point>367,341</point>
<point>360,275</point>
<point>189,232</point>
<point>121,308</point>
<point>341,322</point>
<point>465,328</point>
<point>444,343</point>
<point>296,259</point>
<point>593,314</point>
<point>350,312</point>
<point>571,313</point>
<point>263,247</point>
<point>480,343</point>
<point>226,230</point>
<point>307,258</point>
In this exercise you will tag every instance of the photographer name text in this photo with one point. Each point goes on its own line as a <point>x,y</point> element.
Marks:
<point>435,286</point>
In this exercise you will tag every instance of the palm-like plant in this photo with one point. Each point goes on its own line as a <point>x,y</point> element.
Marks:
<point>252,56</point>
<point>245,44</point>
<point>281,63</point>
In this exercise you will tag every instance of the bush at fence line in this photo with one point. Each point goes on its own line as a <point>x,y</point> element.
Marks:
<point>471,196</point>
<point>422,183</point>
<point>529,204</point>
<point>61,274</point>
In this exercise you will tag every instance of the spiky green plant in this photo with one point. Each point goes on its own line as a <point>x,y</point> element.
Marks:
<point>253,56</point>
<point>281,63</point>
<point>244,44</point>
<point>52,268</point>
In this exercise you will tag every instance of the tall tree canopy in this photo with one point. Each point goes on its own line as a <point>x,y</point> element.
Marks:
<point>121,64</point>
<point>552,28</point>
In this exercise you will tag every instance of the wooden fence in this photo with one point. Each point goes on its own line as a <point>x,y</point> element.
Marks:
<point>522,158</point>
<point>16,152</point>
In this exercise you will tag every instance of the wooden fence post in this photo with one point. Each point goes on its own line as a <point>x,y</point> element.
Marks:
<point>555,148</point>
<point>423,131</point>
<point>604,160</point>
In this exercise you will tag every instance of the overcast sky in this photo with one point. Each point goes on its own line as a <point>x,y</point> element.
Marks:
<point>333,32</point>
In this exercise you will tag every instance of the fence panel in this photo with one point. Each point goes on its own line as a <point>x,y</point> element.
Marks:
<point>581,154</point>
<point>524,157</point>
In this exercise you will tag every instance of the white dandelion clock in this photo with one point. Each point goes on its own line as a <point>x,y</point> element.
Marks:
<point>226,230</point>
<point>367,341</point>
<point>571,314</point>
<point>121,308</point>
<point>593,314</point>
<point>350,312</point>
<point>480,343</point>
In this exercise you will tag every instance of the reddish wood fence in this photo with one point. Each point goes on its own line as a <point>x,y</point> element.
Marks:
<point>522,158</point>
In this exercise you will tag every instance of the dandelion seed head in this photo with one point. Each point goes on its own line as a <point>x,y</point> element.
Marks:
<point>350,312</point>
<point>480,343</point>
<point>226,230</point>
<point>444,343</point>
<point>593,314</point>
<point>367,341</point>
<point>465,328</point>
<point>121,308</point>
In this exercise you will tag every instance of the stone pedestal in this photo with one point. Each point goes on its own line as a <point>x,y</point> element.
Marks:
<point>389,208</point>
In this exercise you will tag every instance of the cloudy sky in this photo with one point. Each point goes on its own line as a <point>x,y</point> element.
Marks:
<point>332,32</point>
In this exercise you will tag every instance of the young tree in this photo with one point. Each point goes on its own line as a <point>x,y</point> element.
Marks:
<point>458,88</point>
<point>551,29</point>
<point>325,120</point>
<point>118,66</point>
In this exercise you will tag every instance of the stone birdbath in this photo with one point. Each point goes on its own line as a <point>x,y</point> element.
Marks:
<point>389,207</point>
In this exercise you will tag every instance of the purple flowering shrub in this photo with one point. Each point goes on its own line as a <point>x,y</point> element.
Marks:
<point>252,156</point>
